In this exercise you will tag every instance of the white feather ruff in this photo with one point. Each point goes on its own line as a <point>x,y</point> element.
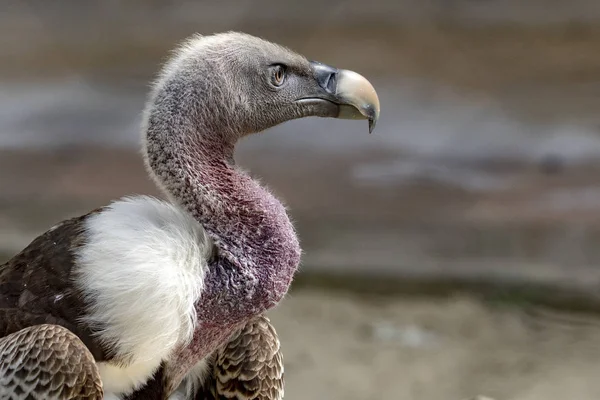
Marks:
<point>142,270</point>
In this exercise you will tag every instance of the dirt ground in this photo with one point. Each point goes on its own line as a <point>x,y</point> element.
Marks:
<point>344,346</point>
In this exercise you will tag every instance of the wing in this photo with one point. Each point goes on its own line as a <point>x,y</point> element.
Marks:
<point>36,285</point>
<point>249,366</point>
<point>47,362</point>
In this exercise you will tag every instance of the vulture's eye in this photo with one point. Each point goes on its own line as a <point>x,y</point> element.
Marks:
<point>278,75</point>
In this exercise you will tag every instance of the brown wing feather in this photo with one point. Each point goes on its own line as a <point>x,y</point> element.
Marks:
<point>249,366</point>
<point>36,285</point>
<point>47,362</point>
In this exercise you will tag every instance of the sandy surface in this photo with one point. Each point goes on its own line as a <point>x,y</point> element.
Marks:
<point>350,346</point>
<point>342,346</point>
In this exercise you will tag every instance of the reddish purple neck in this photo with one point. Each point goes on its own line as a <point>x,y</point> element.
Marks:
<point>257,248</point>
<point>249,225</point>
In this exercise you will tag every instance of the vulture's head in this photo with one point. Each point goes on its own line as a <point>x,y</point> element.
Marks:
<point>234,84</point>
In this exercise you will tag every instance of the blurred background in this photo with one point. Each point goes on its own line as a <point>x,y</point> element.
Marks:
<point>452,253</point>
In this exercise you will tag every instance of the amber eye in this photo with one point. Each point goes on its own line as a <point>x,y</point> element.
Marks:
<point>278,76</point>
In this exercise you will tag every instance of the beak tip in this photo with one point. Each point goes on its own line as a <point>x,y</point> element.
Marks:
<point>372,123</point>
<point>371,112</point>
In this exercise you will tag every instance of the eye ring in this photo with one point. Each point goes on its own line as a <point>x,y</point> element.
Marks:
<point>278,75</point>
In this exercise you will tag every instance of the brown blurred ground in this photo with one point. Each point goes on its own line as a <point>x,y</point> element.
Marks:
<point>343,346</point>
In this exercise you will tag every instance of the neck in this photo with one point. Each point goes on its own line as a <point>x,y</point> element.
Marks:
<point>248,224</point>
<point>258,251</point>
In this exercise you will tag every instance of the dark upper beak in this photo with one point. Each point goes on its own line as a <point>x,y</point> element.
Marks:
<point>355,96</point>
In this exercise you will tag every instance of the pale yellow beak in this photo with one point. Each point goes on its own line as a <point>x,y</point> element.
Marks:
<point>358,98</point>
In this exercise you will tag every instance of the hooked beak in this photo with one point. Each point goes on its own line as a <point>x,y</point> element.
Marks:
<point>353,94</point>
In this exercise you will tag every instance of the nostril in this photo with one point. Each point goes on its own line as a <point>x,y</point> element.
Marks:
<point>328,81</point>
<point>326,76</point>
<point>331,84</point>
<point>323,79</point>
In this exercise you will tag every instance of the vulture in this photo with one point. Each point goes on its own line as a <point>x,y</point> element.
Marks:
<point>165,299</point>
